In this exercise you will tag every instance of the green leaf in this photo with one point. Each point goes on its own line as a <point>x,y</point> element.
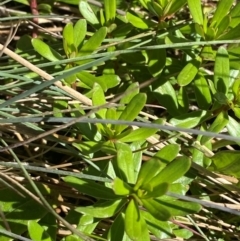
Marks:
<point>202,93</point>
<point>233,33</point>
<point>37,232</point>
<point>236,89</point>
<point>183,101</point>
<point>173,6</point>
<point>88,13</point>
<point>178,207</point>
<point>236,111</point>
<point>116,231</point>
<point>79,32</point>
<point>109,80</point>
<point>120,187</point>
<point>167,154</point>
<point>223,26</point>
<point>137,21</point>
<point>156,209</point>
<point>141,133</point>
<point>148,170</point>
<point>125,163</point>
<point>89,80</point>
<point>98,98</point>
<point>189,72</point>
<point>110,10</point>
<point>227,162</point>
<point>172,172</point>
<point>235,15</point>
<point>133,221</point>
<point>44,50</point>
<point>153,192</point>
<point>191,119</point>
<point>183,233</point>
<point>90,188</point>
<point>221,71</point>
<point>166,96</point>
<point>217,126</point>
<point>94,42</point>
<point>222,10</point>
<point>131,91</point>
<point>132,110</point>
<point>68,39</point>
<point>19,210</point>
<point>195,7</point>
<point>159,229</point>
<point>103,209</point>
<point>233,127</point>
<point>156,60</point>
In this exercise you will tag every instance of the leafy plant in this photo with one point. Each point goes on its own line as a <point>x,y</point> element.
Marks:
<point>136,107</point>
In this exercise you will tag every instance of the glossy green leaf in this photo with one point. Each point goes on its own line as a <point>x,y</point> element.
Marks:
<point>191,119</point>
<point>156,60</point>
<point>156,8</point>
<point>236,111</point>
<point>116,231</point>
<point>149,170</point>
<point>236,89</point>
<point>231,34</point>
<point>136,148</point>
<point>125,163</point>
<point>109,80</point>
<point>48,222</point>
<point>46,51</point>
<point>88,13</point>
<point>217,126</point>
<point>68,39</point>
<point>233,127</point>
<point>37,232</point>
<point>79,32</point>
<point>132,110</point>
<point>90,188</point>
<point>173,6</point>
<point>156,209</point>
<point>153,192</point>
<point>167,154</point>
<point>183,233</point>
<point>178,207</point>
<point>120,187</point>
<point>89,79</point>
<point>235,15</point>
<point>221,71</point>
<point>166,96</point>
<point>89,147</point>
<point>222,10</point>
<point>227,162</point>
<point>195,7</point>
<point>137,21</point>
<point>183,100</point>
<point>131,91</point>
<point>223,26</point>
<point>189,72</point>
<point>98,99</point>
<point>135,225</point>
<point>110,10</point>
<point>202,93</point>
<point>141,133</point>
<point>173,171</point>
<point>19,210</point>
<point>158,228</point>
<point>103,209</point>
<point>94,42</point>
